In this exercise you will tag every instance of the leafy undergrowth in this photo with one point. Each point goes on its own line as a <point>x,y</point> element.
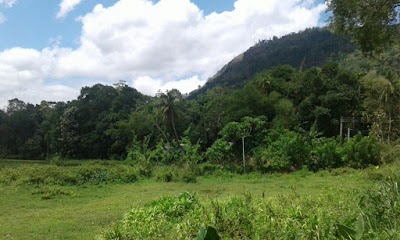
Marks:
<point>50,192</point>
<point>344,214</point>
<point>238,217</point>
<point>74,173</point>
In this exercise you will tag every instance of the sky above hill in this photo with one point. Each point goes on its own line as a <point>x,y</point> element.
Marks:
<point>50,49</point>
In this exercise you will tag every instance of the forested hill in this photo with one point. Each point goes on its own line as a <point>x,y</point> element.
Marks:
<point>303,50</point>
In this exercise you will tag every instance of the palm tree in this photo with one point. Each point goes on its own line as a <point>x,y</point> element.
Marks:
<point>389,97</point>
<point>170,107</point>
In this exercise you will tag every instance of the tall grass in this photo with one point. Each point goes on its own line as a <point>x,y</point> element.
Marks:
<point>347,215</point>
<point>238,217</point>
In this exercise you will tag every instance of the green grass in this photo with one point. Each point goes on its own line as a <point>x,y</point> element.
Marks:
<point>84,211</point>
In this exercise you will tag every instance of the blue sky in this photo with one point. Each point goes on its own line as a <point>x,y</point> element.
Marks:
<point>33,23</point>
<point>50,49</point>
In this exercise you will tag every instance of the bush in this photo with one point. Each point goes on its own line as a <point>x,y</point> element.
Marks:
<point>208,169</point>
<point>325,155</point>
<point>165,174</point>
<point>188,176</point>
<point>93,174</point>
<point>190,153</point>
<point>390,153</point>
<point>220,151</point>
<point>166,177</point>
<point>90,172</point>
<point>50,192</point>
<point>154,221</point>
<point>379,216</point>
<point>284,151</point>
<point>360,152</point>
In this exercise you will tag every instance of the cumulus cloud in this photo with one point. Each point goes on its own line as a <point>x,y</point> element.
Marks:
<point>150,86</point>
<point>139,38</point>
<point>163,45</point>
<point>22,74</point>
<point>67,6</point>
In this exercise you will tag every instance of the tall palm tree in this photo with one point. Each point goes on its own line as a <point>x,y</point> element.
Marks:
<point>170,108</point>
<point>389,97</point>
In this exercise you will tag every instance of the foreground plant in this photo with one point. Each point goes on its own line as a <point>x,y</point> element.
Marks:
<point>238,217</point>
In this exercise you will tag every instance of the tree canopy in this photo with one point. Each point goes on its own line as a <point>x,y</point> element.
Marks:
<point>372,24</point>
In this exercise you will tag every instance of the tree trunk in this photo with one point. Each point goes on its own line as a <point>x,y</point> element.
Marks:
<point>390,127</point>
<point>163,133</point>
<point>244,157</point>
<point>173,126</point>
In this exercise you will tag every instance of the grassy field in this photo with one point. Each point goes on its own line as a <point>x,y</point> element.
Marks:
<point>84,211</point>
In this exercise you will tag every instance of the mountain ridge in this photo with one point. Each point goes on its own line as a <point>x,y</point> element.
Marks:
<point>309,48</point>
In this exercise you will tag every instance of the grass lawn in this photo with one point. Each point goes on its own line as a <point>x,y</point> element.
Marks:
<point>85,211</point>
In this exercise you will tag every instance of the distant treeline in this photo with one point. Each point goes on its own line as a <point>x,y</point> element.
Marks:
<point>111,122</point>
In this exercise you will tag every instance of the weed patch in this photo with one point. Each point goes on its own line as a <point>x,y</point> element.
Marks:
<point>237,217</point>
<point>50,192</point>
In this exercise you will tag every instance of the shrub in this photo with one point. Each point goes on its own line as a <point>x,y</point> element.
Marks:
<point>284,151</point>
<point>50,192</point>
<point>154,221</point>
<point>220,151</point>
<point>141,155</point>
<point>325,155</point>
<point>165,174</point>
<point>361,152</point>
<point>188,176</point>
<point>90,172</point>
<point>93,174</point>
<point>208,169</point>
<point>379,216</point>
<point>190,153</point>
<point>390,153</point>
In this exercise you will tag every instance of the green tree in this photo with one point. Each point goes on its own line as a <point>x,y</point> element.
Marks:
<point>51,116</point>
<point>371,23</point>
<point>170,108</point>
<point>246,102</point>
<point>327,94</point>
<point>22,124</point>
<point>70,137</point>
<point>3,134</point>
<point>381,104</point>
<point>212,110</point>
<point>247,127</point>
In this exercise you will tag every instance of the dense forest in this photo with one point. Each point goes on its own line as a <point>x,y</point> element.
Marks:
<point>283,117</point>
<point>309,48</point>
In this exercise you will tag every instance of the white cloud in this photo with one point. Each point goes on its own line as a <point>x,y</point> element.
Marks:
<point>8,3</point>
<point>67,6</point>
<point>184,85</point>
<point>22,74</point>
<point>150,86</point>
<point>138,38</point>
<point>147,85</point>
<point>169,44</point>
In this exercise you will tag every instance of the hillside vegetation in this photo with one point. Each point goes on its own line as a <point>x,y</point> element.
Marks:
<point>309,48</point>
